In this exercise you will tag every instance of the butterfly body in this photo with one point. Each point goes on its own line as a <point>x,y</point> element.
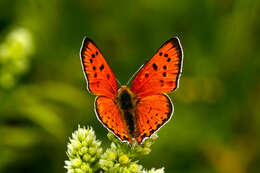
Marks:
<point>126,98</point>
<point>126,102</point>
<point>134,114</point>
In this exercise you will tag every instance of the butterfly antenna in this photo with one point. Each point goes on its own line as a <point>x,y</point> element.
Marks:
<point>118,82</point>
<point>134,74</point>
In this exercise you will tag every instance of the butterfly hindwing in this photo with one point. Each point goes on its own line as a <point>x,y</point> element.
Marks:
<point>101,80</point>
<point>152,112</point>
<point>162,72</point>
<point>110,116</point>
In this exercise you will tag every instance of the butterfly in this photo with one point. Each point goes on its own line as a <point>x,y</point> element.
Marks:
<point>133,114</point>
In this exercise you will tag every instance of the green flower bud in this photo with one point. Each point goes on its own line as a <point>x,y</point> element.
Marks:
<point>76,163</point>
<point>83,150</point>
<point>124,159</point>
<point>156,170</point>
<point>145,147</point>
<point>111,156</point>
<point>92,150</point>
<point>135,167</point>
<point>85,167</point>
<point>86,157</point>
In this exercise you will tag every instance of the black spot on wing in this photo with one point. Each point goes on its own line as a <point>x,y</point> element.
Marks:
<point>155,67</point>
<point>164,74</point>
<point>162,83</point>
<point>101,67</point>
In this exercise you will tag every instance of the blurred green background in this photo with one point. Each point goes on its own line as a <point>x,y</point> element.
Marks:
<point>43,96</point>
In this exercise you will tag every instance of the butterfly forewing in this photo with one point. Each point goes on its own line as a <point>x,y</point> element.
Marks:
<point>101,80</point>
<point>161,73</point>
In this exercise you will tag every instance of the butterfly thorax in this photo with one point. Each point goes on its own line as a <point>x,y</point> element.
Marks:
<point>127,101</point>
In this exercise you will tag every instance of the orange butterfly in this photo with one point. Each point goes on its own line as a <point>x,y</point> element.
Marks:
<point>134,114</point>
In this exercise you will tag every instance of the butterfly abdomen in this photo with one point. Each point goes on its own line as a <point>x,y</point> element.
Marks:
<point>129,117</point>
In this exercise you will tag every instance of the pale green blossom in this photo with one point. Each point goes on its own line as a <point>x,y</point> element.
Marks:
<point>86,155</point>
<point>155,171</point>
<point>15,53</point>
<point>83,151</point>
